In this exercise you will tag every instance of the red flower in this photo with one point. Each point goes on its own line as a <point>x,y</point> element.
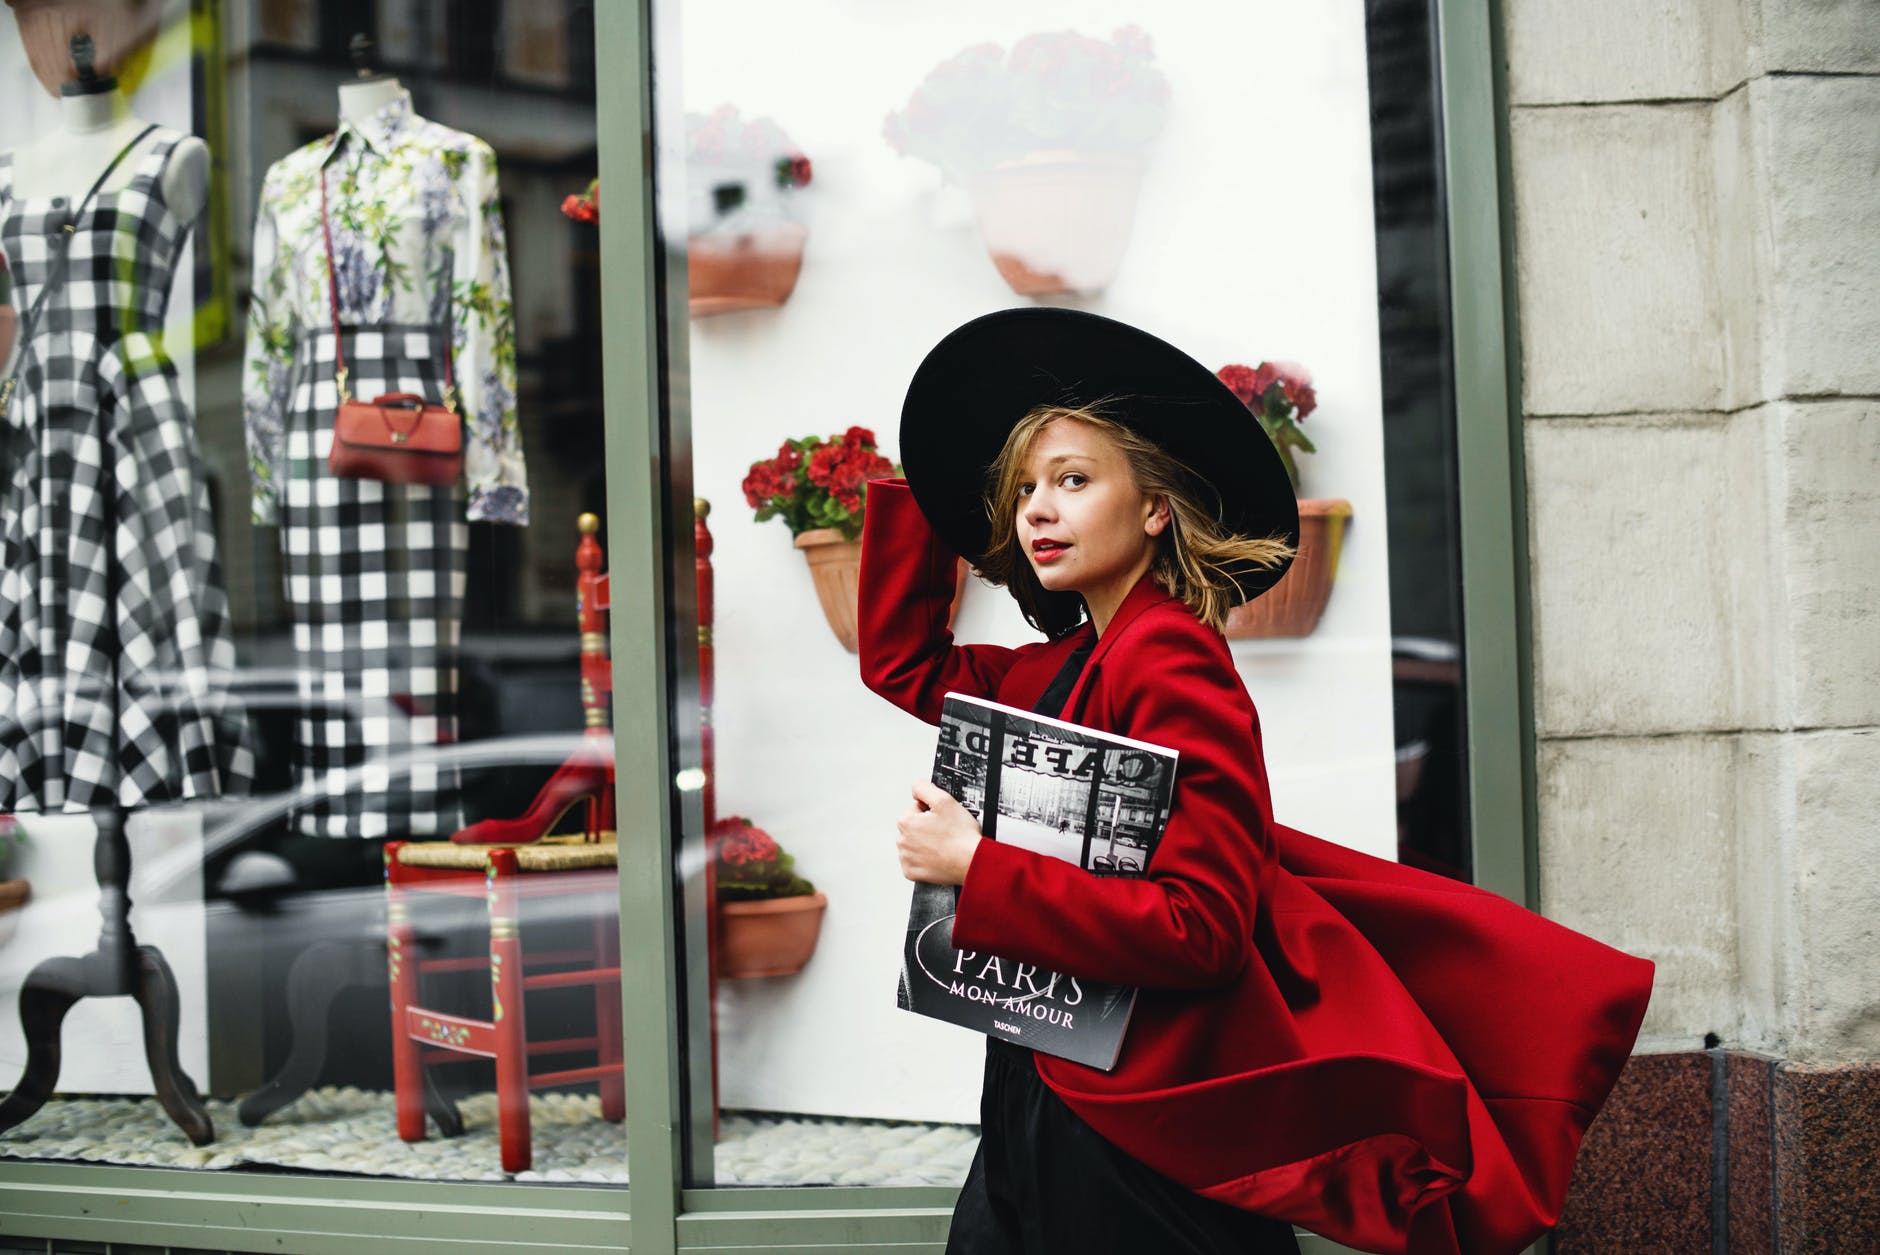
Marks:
<point>793,171</point>
<point>818,481</point>
<point>1239,380</point>
<point>740,843</point>
<point>1295,382</point>
<point>823,462</point>
<point>764,481</point>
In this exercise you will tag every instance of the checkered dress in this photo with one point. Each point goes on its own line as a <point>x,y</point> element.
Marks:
<point>375,579</point>
<point>115,652</point>
<point>374,571</point>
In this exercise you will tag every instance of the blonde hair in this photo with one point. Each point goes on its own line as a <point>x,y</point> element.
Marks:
<point>1195,556</point>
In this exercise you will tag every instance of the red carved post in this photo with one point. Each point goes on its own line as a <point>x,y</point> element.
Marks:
<point>402,959</point>
<point>597,673</point>
<point>506,1013</point>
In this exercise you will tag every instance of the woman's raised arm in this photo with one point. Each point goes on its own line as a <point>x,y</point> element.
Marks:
<point>907,584</point>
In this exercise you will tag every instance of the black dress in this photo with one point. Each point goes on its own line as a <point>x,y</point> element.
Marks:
<point>1045,1183</point>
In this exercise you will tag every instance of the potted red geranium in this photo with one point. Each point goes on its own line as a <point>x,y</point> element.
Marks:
<point>745,234</point>
<point>818,486</point>
<point>769,917</point>
<point>1050,139</point>
<point>1281,395</point>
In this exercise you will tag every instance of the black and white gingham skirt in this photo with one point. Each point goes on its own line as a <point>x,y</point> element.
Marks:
<point>375,582</point>
<point>115,653</point>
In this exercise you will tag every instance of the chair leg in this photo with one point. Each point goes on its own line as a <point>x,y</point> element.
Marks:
<point>607,1027</point>
<point>506,1012</point>
<point>401,954</point>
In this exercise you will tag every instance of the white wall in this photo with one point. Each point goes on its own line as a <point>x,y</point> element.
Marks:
<point>102,1042</point>
<point>1253,240</point>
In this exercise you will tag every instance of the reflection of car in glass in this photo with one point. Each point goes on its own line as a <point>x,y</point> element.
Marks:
<point>294,929</point>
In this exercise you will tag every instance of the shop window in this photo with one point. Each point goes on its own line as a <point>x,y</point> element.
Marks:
<point>1257,184</point>
<point>255,672</point>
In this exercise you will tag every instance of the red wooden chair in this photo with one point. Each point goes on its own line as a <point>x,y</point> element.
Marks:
<point>506,873</point>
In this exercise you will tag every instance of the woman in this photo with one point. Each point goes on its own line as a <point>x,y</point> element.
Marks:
<point>1399,1062</point>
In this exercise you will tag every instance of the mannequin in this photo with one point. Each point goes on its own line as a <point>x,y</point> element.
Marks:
<point>359,101</point>
<point>93,127</point>
<point>95,120</point>
<point>106,447</point>
<point>375,572</point>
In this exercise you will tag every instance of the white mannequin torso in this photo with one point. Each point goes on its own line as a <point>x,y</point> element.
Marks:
<point>359,101</point>
<point>93,129</point>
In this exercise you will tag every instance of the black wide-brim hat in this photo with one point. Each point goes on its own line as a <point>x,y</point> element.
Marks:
<point>976,384</point>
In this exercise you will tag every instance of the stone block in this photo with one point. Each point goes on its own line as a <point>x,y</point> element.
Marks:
<point>1830,545</point>
<point>1636,848</point>
<point>1749,1153</point>
<point>1818,142</point>
<point>1651,603</point>
<point>1740,260</point>
<point>1560,51</point>
<point>1615,245</point>
<point>1827,1147</point>
<point>1642,1180</point>
<point>1836,35</point>
<point>1834,1014</point>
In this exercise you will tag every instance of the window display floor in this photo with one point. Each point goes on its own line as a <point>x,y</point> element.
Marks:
<point>352,1131</point>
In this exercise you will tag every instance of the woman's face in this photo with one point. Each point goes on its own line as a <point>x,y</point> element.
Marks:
<point>1082,522</point>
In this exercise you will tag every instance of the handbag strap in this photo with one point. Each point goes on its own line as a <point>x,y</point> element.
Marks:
<point>339,352</point>
<point>55,273</point>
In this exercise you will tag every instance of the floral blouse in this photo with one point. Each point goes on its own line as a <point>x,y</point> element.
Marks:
<point>415,221</point>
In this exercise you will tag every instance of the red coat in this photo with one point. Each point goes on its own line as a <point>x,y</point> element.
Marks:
<point>1397,1061</point>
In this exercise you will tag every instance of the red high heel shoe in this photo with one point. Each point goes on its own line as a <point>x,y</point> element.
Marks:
<point>587,776</point>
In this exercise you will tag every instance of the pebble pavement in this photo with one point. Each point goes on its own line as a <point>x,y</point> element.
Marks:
<point>350,1130</point>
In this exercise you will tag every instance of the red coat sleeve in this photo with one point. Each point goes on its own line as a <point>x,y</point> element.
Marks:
<point>1189,922</point>
<point>908,579</point>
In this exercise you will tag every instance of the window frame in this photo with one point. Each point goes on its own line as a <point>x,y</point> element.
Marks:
<point>663,967</point>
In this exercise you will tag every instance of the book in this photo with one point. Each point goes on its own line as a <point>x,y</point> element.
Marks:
<point>1091,798</point>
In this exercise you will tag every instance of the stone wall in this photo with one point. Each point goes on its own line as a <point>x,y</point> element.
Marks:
<point>1697,251</point>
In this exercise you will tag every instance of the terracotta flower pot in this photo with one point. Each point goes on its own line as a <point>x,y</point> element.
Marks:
<point>751,271</point>
<point>835,565</point>
<point>1292,607</point>
<point>13,896</point>
<point>768,937</point>
<point>1057,221</point>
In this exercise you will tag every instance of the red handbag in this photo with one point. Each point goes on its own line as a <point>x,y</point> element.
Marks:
<point>399,438</point>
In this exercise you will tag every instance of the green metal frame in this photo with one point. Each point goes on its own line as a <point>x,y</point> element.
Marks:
<point>1489,463</point>
<point>663,971</point>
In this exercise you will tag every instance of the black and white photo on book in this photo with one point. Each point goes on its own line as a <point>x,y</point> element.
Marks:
<point>1091,798</point>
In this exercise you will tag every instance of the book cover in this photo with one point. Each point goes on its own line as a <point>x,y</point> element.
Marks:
<point>1091,798</point>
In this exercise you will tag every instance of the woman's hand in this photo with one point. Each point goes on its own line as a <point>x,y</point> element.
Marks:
<point>938,837</point>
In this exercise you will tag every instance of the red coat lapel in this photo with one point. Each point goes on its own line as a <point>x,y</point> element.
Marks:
<point>1145,594</point>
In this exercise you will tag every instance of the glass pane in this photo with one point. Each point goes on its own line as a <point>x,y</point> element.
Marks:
<point>1218,178</point>
<point>322,370</point>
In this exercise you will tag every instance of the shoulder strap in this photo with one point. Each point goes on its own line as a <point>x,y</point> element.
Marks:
<point>339,352</point>
<point>55,273</point>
